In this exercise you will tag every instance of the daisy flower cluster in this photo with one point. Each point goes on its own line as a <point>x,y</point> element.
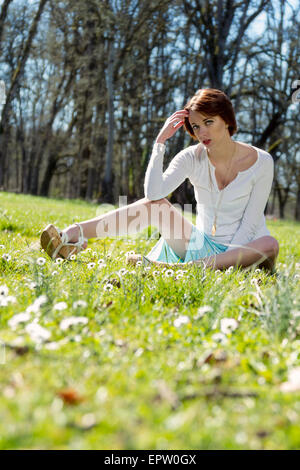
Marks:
<point>5,298</point>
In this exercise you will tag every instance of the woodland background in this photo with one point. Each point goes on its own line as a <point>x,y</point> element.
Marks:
<point>90,84</point>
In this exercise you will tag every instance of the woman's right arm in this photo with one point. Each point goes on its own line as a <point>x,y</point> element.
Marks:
<point>158,184</point>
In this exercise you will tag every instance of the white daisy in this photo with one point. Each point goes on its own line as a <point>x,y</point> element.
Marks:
<point>6,257</point>
<point>129,253</point>
<point>122,272</point>
<point>88,250</point>
<point>108,286</point>
<point>219,338</point>
<point>228,325</point>
<point>54,273</point>
<point>60,306</point>
<point>19,318</point>
<point>73,257</point>
<point>2,247</point>
<point>3,301</point>
<point>139,263</point>
<point>202,311</point>
<point>228,270</point>
<point>91,265</point>
<point>169,273</point>
<point>10,299</point>
<point>37,333</point>
<point>41,261</point>
<point>58,260</point>
<point>181,320</point>
<point>80,304</point>
<point>156,273</point>
<point>3,290</point>
<point>179,276</point>
<point>70,321</point>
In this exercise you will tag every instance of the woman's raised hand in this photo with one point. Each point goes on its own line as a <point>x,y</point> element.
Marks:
<point>172,124</point>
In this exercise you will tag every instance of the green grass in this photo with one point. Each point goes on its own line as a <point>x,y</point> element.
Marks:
<point>145,382</point>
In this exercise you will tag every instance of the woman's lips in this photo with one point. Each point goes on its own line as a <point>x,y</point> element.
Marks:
<point>206,142</point>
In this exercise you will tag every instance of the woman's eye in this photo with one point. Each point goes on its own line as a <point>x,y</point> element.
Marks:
<point>195,126</point>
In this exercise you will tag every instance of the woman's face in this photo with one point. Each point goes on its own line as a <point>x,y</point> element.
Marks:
<point>210,131</point>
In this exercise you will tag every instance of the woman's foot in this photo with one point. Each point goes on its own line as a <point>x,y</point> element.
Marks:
<point>63,244</point>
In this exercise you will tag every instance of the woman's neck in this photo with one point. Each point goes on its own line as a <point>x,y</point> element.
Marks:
<point>222,154</point>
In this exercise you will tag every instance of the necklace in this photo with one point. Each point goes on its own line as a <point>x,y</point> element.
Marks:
<point>214,227</point>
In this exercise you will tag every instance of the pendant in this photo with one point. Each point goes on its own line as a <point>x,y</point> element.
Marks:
<point>213,230</point>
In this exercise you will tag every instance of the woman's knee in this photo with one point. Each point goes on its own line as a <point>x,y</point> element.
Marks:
<point>270,245</point>
<point>156,201</point>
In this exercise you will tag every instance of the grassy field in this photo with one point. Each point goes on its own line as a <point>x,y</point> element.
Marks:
<point>142,358</point>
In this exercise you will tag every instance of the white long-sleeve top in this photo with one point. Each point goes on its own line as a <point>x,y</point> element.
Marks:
<point>240,216</point>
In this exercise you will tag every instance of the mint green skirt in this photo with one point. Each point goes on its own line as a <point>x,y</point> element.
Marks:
<point>200,246</point>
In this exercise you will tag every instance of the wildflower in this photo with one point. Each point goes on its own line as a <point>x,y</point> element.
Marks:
<point>129,253</point>
<point>293,382</point>
<point>139,263</point>
<point>80,304</point>
<point>228,270</point>
<point>19,318</point>
<point>60,306</point>
<point>132,272</point>
<point>156,273</point>
<point>228,325</point>
<point>181,320</point>
<point>180,271</point>
<point>88,250</point>
<point>179,276</point>
<point>219,338</point>
<point>202,310</point>
<point>94,253</point>
<point>91,265</point>
<point>3,290</point>
<point>6,257</point>
<point>108,287</point>
<point>37,333</point>
<point>2,247</point>
<point>139,352</point>
<point>122,272</point>
<point>41,261</point>
<point>54,273</point>
<point>58,260</point>
<point>169,273</point>
<point>5,300</point>
<point>70,321</point>
<point>73,257</point>
<point>35,307</point>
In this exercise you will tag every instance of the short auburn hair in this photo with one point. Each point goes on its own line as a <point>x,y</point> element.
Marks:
<point>211,102</point>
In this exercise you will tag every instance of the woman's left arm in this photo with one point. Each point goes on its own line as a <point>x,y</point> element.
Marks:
<point>254,211</point>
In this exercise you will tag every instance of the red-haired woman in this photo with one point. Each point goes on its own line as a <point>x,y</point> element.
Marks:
<point>232,182</point>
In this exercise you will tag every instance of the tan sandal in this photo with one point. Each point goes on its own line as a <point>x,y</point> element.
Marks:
<point>56,243</point>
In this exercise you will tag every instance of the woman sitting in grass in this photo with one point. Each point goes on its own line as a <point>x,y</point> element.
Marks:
<point>232,182</point>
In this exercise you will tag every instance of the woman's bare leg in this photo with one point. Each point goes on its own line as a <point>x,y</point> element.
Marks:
<point>262,252</point>
<point>131,219</point>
